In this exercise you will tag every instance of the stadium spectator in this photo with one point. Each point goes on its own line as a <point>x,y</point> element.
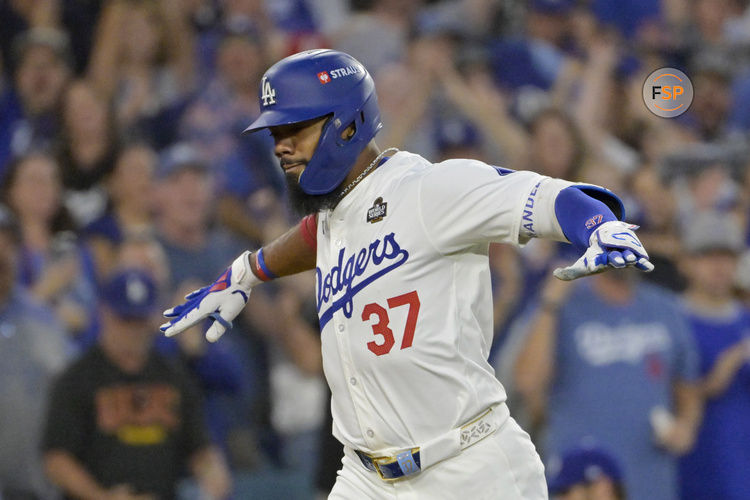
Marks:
<point>213,123</point>
<point>123,420</point>
<point>531,63</point>
<point>377,32</point>
<point>28,118</point>
<point>32,351</point>
<point>219,369</point>
<point>87,148</point>
<point>57,269</point>
<point>143,61</point>
<point>76,18</point>
<point>131,204</point>
<point>721,325</point>
<point>213,120</point>
<point>19,17</point>
<point>184,216</point>
<point>632,19</point>
<point>655,211</point>
<point>601,361</point>
<point>586,473</point>
<point>707,118</point>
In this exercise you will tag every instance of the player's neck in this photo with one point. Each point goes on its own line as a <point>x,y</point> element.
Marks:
<point>365,158</point>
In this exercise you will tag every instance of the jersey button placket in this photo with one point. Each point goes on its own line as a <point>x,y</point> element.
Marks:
<point>362,408</point>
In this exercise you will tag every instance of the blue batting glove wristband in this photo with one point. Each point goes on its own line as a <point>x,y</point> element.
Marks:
<point>221,301</point>
<point>612,244</point>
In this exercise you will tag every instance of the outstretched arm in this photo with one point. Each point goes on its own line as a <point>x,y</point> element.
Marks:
<point>294,251</point>
<point>222,300</point>
<point>589,217</point>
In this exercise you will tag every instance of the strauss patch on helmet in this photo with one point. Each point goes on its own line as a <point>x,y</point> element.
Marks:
<point>348,70</point>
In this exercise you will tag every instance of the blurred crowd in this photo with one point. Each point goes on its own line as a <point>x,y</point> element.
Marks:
<point>125,183</point>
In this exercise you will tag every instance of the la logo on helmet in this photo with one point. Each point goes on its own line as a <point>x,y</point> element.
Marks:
<point>269,94</point>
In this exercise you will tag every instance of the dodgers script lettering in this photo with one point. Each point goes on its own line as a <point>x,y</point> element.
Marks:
<point>338,286</point>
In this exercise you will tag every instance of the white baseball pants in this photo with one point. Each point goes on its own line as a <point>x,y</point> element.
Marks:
<point>502,466</point>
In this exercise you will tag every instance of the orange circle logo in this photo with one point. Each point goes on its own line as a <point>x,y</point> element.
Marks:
<point>667,92</point>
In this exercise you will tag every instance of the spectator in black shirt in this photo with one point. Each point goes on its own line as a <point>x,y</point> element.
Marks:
<point>124,422</point>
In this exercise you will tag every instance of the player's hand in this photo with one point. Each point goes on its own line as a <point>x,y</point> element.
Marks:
<point>221,301</point>
<point>613,244</point>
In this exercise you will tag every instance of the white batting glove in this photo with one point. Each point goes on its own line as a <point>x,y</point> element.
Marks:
<point>222,301</point>
<point>613,244</point>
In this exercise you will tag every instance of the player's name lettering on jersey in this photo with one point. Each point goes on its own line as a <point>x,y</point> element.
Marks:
<point>528,211</point>
<point>338,285</point>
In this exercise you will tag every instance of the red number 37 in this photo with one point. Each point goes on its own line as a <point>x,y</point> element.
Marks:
<point>381,327</point>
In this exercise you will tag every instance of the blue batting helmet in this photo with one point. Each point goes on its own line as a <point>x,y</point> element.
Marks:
<point>319,83</point>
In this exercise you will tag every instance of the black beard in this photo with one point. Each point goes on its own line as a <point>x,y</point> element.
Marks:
<point>305,204</point>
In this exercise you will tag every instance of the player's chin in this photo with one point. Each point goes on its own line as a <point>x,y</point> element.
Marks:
<point>303,203</point>
<point>294,171</point>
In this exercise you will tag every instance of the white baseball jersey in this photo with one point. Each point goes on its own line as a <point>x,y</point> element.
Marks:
<point>404,296</point>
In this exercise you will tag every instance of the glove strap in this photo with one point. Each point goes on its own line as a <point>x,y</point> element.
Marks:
<point>217,317</point>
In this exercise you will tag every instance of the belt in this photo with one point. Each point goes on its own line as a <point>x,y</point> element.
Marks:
<point>453,442</point>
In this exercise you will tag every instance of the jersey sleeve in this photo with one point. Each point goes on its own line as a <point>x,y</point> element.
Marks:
<point>465,202</point>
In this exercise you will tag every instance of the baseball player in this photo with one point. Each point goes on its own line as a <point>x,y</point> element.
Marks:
<point>399,246</point>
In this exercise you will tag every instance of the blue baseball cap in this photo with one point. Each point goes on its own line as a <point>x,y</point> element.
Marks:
<point>582,465</point>
<point>131,294</point>
<point>455,132</point>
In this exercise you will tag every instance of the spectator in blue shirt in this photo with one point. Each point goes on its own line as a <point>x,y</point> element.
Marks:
<point>611,359</point>
<point>718,466</point>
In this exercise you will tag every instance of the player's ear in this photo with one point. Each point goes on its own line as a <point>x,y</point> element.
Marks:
<point>349,131</point>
